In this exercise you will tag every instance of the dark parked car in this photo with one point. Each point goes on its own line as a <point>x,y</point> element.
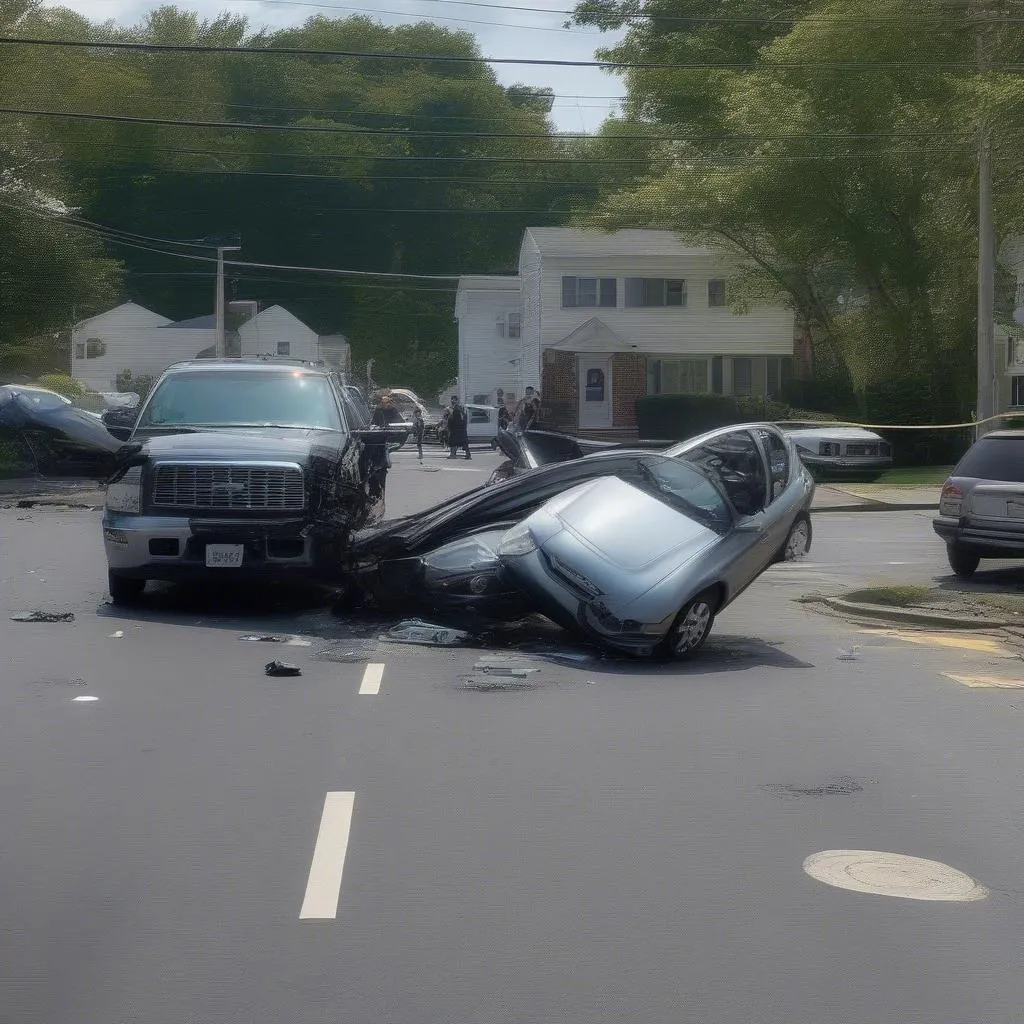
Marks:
<point>244,468</point>
<point>981,509</point>
<point>42,434</point>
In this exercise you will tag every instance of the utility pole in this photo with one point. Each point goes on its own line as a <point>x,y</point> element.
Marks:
<point>986,251</point>
<point>219,306</point>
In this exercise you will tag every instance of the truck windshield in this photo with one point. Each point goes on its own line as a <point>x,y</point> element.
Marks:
<point>226,398</point>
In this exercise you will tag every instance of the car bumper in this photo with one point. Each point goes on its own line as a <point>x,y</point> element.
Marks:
<point>570,609</point>
<point>846,465</point>
<point>173,548</point>
<point>995,542</point>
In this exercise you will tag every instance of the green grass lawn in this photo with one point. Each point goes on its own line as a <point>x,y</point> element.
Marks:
<point>915,476</point>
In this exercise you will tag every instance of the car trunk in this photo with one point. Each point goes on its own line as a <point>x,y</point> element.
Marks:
<point>1003,502</point>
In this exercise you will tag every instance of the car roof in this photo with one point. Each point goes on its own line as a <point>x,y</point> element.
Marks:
<point>255,364</point>
<point>1004,434</point>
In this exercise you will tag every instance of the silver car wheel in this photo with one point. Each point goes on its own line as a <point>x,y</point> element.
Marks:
<point>689,632</point>
<point>798,542</point>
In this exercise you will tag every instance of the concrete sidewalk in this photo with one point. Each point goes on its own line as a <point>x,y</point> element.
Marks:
<point>874,498</point>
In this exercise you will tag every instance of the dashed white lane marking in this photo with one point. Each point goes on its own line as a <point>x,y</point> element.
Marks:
<point>84,699</point>
<point>323,888</point>
<point>893,874</point>
<point>372,678</point>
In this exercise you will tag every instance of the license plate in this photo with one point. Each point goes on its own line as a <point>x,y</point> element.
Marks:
<point>1014,510</point>
<point>224,556</point>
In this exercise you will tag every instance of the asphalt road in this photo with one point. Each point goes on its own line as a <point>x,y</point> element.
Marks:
<point>596,841</point>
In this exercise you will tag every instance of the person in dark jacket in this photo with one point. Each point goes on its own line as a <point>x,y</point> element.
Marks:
<point>503,415</point>
<point>458,429</point>
<point>379,461</point>
<point>418,430</point>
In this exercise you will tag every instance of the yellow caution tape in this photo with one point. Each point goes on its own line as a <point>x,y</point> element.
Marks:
<point>907,426</point>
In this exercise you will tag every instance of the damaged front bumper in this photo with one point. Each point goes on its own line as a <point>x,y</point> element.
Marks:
<point>174,548</point>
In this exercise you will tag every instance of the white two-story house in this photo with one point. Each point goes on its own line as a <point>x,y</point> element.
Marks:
<point>605,319</point>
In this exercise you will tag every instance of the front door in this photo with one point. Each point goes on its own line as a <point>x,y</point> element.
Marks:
<point>595,390</point>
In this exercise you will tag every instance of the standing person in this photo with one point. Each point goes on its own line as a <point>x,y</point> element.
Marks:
<point>418,429</point>
<point>377,451</point>
<point>458,429</point>
<point>503,417</point>
<point>527,410</point>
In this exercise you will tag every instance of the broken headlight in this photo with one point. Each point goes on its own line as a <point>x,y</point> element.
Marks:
<point>518,541</point>
<point>125,493</point>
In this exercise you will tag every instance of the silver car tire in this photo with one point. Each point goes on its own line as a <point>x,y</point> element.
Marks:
<point>798,543</point>
<point>692,626</point>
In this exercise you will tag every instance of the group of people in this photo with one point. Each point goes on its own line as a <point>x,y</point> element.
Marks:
<point>456,420</point>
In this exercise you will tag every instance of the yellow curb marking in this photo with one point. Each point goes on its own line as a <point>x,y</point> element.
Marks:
<point>1000,682</point>
<point>983,645</point>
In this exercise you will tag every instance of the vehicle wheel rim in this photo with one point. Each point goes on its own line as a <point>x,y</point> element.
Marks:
<point>693,627</point>
<point>798,543</point>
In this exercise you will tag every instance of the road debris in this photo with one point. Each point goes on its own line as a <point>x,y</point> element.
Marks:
<point>118,635</point>
<point>44,617</point>
<point>500,666</point>
<point>270,638</point>
<point>850,655</point>
<point>416,631</point>
<point>282,668</point>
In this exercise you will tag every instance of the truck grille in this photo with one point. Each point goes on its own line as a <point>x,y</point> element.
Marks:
<point>870,448</point>
<point>278,488</point>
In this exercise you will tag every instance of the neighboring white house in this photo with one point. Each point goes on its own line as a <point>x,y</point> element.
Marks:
<point>490,331</point>
<point>1009,342</point>
<point>131,337</point>
<point>605,319</point>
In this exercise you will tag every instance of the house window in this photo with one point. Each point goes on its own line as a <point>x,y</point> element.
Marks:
<point>1017,391</point>
<point>716,375</point>
<point>515,325</point>
<point>778,370</point>
<point>589,292</point>
<point>284,348</point>
<point>742,376</point>
<point>682,377</point>
<point>594,391</point>
<point>79,349</point>
<point>480,399</point>
<point>716,292</point>
<point>655,291</point>
<point>94,348</point>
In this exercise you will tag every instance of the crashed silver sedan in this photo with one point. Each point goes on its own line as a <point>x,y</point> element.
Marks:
<point>646,568</point>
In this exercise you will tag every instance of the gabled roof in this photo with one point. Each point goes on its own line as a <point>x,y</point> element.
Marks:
<point>196,323</point>
<point>593,336</point>
<point>129,307</point>
<point>270,313</point>
<point>628,242</point>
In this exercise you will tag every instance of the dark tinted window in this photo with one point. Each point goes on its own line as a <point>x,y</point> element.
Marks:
<point>227,398</point>
<point>734,462</point>
<point>994,458</point>
<point>778,460</point>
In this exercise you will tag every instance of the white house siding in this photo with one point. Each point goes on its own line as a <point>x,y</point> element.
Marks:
<point>693,329</point>
<point>530,273</point>
<point>260,335</point>
<point>487,357</point>
<point>134,338</point>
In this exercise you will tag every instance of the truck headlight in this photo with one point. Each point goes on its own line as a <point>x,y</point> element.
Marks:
<point>125,493</point>
<point>518,541</point>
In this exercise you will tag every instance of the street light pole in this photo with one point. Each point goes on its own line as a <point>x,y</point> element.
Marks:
<point>219,306</point>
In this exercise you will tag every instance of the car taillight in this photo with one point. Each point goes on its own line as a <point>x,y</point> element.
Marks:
<point>951,501</point>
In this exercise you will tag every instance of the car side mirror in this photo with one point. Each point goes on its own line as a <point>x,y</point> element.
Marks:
<point>378,436</point>
<point>121,433</point>
<point>752,524</point>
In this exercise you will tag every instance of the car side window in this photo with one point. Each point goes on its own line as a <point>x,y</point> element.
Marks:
<point>479,416</point>
<point>688,489</point>
<point>734,461</point>
<point>778,460</point>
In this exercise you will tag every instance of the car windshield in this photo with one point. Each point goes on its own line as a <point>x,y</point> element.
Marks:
<point>242,399</point>
<point>994,458</point>
<point>687,489</point>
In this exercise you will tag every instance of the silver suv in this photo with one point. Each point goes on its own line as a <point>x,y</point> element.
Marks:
<point>981,510</point>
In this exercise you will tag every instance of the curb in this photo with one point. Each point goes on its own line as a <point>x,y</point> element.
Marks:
<point>869,505</point>
<point>901,616</point>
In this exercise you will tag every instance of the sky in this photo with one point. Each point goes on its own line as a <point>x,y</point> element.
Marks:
<point>585,96</point>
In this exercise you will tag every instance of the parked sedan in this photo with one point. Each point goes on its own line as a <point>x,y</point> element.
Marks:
<point>645,567</point>
<point>42,434</point>
<point>840,452</point>
<point>981,509</point>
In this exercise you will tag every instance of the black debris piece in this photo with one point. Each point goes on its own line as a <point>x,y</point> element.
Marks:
<point>44,617</point>
<point>282,668</point>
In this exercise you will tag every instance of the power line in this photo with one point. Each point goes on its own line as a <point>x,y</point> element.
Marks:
<point>417,133</point>
<point>288,51</point>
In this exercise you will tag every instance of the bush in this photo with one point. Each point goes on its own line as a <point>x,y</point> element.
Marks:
<point>62,384</point>
<point>675,417</point>
<point>141,385</point>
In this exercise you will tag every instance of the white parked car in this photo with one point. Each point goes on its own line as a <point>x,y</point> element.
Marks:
<point>830,452</point>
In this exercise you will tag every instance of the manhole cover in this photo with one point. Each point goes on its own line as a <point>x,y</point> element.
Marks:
<point>893,874</point>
